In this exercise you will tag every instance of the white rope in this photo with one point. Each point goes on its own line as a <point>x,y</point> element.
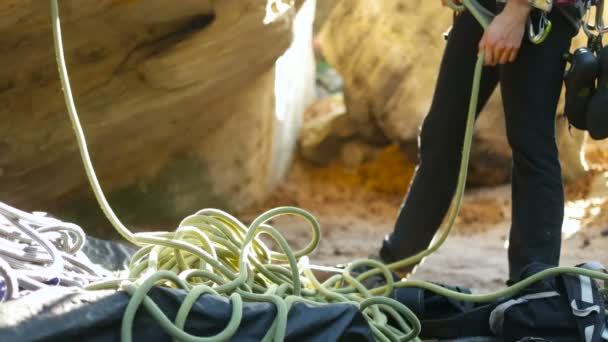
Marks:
<point>38,251</point>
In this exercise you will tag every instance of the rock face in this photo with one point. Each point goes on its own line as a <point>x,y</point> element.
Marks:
<point>388,53</point>
<point>326,127</point>
<point>324,8</point>
<point>183,103</point>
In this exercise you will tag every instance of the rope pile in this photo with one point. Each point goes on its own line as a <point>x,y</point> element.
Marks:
<point>212,252</point>
<point>38,251</point>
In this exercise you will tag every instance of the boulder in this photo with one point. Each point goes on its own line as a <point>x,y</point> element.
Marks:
<point>326,128</point>
<point>324,8</point>
<point>355,153</point>
<point>184,104</point>
<point>388,61</point>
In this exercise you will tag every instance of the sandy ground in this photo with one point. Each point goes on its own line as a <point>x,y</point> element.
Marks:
<point>355,214</point>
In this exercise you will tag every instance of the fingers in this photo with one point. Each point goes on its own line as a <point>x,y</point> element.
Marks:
<point>499,55</point>
<point>504,56</point>
<point>489,56</point>
<point>483,49</point>
<point>487,48</point>
<point>513,55</point>
<point>497,52</point>
<point>507,55</point>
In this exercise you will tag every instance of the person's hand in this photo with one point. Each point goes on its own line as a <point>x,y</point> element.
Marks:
<point>502,39</point>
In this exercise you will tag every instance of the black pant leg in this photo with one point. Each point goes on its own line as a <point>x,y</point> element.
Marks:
<point>440,142</point>
<point>531,89</point>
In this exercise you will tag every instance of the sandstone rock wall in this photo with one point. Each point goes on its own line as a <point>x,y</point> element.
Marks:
<point>177,100</point>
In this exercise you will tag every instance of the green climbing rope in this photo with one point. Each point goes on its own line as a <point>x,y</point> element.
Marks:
<point>211,252</point>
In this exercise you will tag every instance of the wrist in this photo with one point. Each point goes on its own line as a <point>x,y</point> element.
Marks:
<point>520,8</point>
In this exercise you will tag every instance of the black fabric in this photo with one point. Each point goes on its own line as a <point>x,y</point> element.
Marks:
<point>596,319</point>
<point>62,315</point>
<point>428,304</point>
<point>597,120</point>
<point>531,88</point>
<point>552,318</point>
<point>534,319</point>
<point>473,322</point>
<point>443,317</point>
<point>112,255</point>
<point>549,318</point>
<point>580,86</point>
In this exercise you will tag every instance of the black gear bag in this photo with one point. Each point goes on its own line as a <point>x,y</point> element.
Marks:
<point>561,308</point>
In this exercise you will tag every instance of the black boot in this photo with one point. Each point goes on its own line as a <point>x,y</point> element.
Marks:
<point>388,257</point>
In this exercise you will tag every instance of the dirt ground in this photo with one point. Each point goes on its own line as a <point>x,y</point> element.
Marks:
<point>357,207</point>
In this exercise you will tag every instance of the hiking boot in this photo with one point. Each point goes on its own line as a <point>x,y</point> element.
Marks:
<point>374,281</point>
<point>386,256</point>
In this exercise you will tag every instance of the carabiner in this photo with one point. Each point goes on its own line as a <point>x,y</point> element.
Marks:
<point>599,18</point>
<point>544,29</point>
<point>599,27</point>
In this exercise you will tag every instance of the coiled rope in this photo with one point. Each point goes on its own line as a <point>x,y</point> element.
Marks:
<point>38,251</point>
<point>211,252</point>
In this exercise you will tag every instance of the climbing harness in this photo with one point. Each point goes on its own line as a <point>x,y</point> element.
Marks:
<point>37,251</point>
<point>211,252</point>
